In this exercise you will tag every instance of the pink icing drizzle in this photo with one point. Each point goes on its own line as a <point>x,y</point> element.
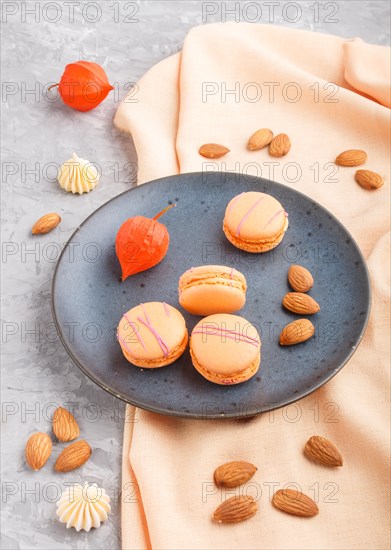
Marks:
<point>146,314</point>
<point>136,331</point>
<point>166,309</point>
<point>230,334</point>
<point>160,341</point>
<point>247,215</point>
<point>273,217</point>
<point>233,201</point>
<point>124,344</point>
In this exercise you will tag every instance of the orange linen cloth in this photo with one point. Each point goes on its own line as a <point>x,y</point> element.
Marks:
<point>183,102</point>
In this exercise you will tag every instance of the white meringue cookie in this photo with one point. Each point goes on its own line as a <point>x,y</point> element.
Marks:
<point>78,175</point>
<point>83,507</point>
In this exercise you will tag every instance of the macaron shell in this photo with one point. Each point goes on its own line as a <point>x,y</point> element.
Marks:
<point>224,379</point>
<point>210,298</point>
<point>225,345</point>
<point>174,354</point>
<point>199,273</point>
<point>149,333</point>
<point>254,216</point>
<point>205,290</point>
<point>256,246</point>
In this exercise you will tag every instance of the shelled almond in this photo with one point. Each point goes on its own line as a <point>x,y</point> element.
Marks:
<point>233,474</point>
<point>368,179</point>
<point>260,139</point>
<point>280,145</point>
<point>235,509</point>
<point>300,278</point>
<point>46,223</point>
<point>296,332</point>
<point>295,502</point>
<point>38,450</point>
<point>320,449</point>
<point>213,150</point>
<point>298,302</point>
<point>351,157</point>
<point>73,456</point>
<point>64,424</point>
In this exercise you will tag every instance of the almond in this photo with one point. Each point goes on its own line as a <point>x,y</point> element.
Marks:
<point>368,180</point>
<point>46,223</point>
<point>300,278</point>
<point>38,449</point>
<point>65,427</point>
<point>295,502</point>
<point>298,302</point>
<point>235,509</point>
<point>260,139</point>
<point>213,150</point>
<point>296,332</point>
<point>280,146</point>
<point>351,157</point>
<point>234,473</point>
<point>321,450</point>
<point>73,456</point>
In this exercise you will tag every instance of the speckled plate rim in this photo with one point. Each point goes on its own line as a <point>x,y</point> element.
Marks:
<point>213,416</point>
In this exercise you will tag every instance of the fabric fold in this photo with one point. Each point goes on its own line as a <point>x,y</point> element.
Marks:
<point>208,93</point>
<point>368,70</point>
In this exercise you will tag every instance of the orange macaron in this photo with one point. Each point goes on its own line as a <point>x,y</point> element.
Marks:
<point>209,289</point>
<point>225,349</point>
<point>255,222</point>
<point>152,335</point>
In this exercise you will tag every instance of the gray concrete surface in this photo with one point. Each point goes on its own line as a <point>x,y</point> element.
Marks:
<point>38,40</point>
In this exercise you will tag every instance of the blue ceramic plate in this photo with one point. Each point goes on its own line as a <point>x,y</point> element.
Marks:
<point>89,299</point>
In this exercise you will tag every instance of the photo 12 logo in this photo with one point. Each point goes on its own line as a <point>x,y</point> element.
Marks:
<point>319,252</point>
<point>288,171</point>
<point>27,412</point>
<point>76,175</point>
<point>325,492</point>
<point>91,92</point>
<point>269,12</point>
<point>51,492</point>
<point>69,11</point>
<point>269,92</point>
<point>328,412</point>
